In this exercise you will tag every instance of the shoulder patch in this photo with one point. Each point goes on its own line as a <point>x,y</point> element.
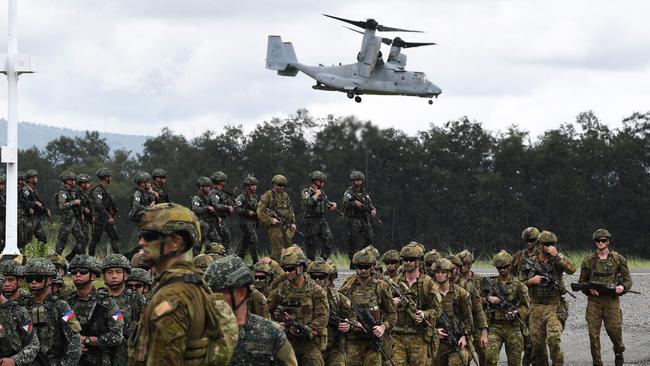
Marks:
<point>163,308</point>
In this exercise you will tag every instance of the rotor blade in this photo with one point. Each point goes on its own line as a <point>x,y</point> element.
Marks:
<point>417,44</point>
<point>382,28</point>
<point>387,41</point>
<point>352,29</point>
<point>353,22</point>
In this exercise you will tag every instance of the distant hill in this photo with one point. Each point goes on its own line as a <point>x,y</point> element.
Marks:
<point>34,134</point>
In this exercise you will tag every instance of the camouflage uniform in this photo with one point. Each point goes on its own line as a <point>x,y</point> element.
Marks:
<point>86,208</point>
<point>247,201</point>
<point>479,324</point>
<point>202,261</point>
<point>104,208</point>
<point>222,201</point>
<point>605,309</point>
<point>17,340</point>
<point>280,235</point>
<point>357,218</point>
<point>263,285</point>
<point>545,325</point>
<point>141,198</point>
<point>53,320</point>
<point>315,224</point>
<point>30,225</point>
<point>163,196</point>
<point>200,204</point>
<point>70,217</point>
<point>259,304</point>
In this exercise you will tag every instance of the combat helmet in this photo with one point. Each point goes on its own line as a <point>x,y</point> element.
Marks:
<point>138,261</point>
<point>10,268</point>
<point>546,237</point>
<point>169,218</point>
<point>39,266</point>
<point>317,175</point>
<point>391,255</point>
<point>141,275</point>
<point>202,261</point>
<point>453,258</point>
<point>530,233</point>
<point>263,268</point>
<point>31,173</point>
<point>431,257</point>
<point>142,177</point>
<point>85,261</point>
<point>334,272</point>
<point>363,257</point>
<point>228,273</point>
<point>116,261</point>
<point>58,280</point>
<point>601,233</point>
<point>159,172</point>
<point>411,250</point>
<point>103,172</point>
<point>215,248</point>
<point>83,178</point>
<point>293,255</point>
<point>466,256</point>
<point>21,175</point>
<point>66,176</point>
<point>279,179</point>
<point>203,182</point>
<point>443,264</point>
<point>319,266</point>
<point>356,175</point>
<point>58,260</point>
<point>502,259</point>
<point>218,177</point>
<point>249,181</point>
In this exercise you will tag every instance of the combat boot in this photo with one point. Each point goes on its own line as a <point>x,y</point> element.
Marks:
<point>618,359</point>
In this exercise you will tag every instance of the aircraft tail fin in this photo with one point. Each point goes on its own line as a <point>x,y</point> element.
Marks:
<point>280,56</point>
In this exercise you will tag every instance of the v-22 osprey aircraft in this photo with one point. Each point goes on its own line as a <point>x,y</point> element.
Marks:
<point>369,75</point>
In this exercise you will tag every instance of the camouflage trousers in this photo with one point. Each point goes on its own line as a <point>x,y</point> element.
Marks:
<point>545,329</point>
<point>601,309</point>
<point>335,354</point>
<point>508,332</point>
<point>307,351</point>
<point>446,356</point>
<point>317,229</point>
<point>280,237</point>
<point>359,227</point>
<point>363,352</point>
<point>224,232</point>
<point>100,226</point>
<point>249,241</point>
<point>71,227</point>
<point>411,349</point>
<point>28,228</point>
<point>209,234</point>
<point>480,351</point>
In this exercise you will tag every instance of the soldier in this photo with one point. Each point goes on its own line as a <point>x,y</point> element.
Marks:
<point>100,317</point>
<point>20,344</point>
<point>57,285</point>
<point>605,266</point>
<point>138,261</point>
<point>215,250</point>
<point>392,261</point>
<point>416,340</point>
<point>369,295</point>
<point>139,281</point>
<point>246,209</point>
<point>430,259</point>
<point>13,279</point>
<point>223,202</point>
<point>455,323</point>
<point>21,180</point>
<point>205,212</point>
<point>357,205</point>
<point>275,212</point>
<point>321,272</point>
<point>3,211</point>
<point>105,213</point>
<point>471,281</point>
<point>202,261</point>
<point>30,212</point>
<point>69,205</point>
<point>260,341</point>
<point>263,277</point>
<point>504,320</point>
<point>54,322</point>
<point>315,204</point>
<point>87,216</point>
<point>142,197</point>
<point>116,270</point>
<point>61,266</point>
<point>159,176</point>
<point>182,323</point>
<point>299,299</point>
<point>545,325</point>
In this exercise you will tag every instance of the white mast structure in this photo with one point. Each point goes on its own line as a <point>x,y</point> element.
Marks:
<point>12,64</point>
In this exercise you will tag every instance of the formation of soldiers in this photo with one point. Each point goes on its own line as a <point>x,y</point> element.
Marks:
<point>412,307</point>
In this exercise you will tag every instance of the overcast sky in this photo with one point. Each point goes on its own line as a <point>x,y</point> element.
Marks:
<point>137,66</point>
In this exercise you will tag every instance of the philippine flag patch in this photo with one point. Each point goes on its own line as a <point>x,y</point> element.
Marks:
<point>28,326</point>
<point>68,315</point>
<point>118,315</point>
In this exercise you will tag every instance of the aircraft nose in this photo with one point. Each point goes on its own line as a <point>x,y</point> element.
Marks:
<point>434,89</point>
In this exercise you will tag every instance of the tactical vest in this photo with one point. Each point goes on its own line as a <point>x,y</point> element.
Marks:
<point>246,202</point>
<point>10,337</point>
<point>45,321</point>
<point>313,209</point>
<point>350,210</point>
<point>366,297</point>
<point>450,305</point>
<point>281,203</point>
<point>545,293</point>
<point>257,343</point>
<point>604,271</point>
<point>499,314</point>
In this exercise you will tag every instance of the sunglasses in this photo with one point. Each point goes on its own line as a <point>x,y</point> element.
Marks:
<point>409,259</point>
<point>37,279</point>
<point>363,266</point>
<point>81,271</point>
<point>548,244</point>
<point>531,240</point>
<point>318,277</point>
<point>602,240</point>
<point>279,185</point>
<point>260,278</point>
<point>503,267</point>
<point>149,235</point>
<point>289,269</point>
<point>391,262</point>
<point>136,285</point>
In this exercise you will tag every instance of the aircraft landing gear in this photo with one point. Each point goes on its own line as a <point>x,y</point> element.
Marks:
<point>350,95</point>
<point>357,99</point>
<point>430,101</point>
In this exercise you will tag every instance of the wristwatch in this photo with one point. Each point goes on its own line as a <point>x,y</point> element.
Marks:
<point>87,341</point>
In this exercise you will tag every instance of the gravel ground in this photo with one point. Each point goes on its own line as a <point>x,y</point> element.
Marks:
<point>575,339</point>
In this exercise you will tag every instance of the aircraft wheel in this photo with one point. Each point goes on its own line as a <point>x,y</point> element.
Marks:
<point>350,95</point>
<point>430,101</point>
<point>357,99</point>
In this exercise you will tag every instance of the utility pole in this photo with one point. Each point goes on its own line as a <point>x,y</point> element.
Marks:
<point>12,64</point>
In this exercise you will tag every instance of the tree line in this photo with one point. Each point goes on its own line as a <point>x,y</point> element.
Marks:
<point>452,186</point>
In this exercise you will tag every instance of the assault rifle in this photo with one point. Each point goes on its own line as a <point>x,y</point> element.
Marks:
<point>408,304</point>
<point>489,288</point>
<point>451,328</point>
<point>283,220</point>
<point>335,320</point>
<point>549,278</point>
<point>44,211</point>
<point>329,203</point>
<point>608,289</point>
<point>292,324</point>
<point>367,323</point>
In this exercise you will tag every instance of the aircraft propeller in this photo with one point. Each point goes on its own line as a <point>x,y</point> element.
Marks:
<point>371,24</point>
<point>397,41</point>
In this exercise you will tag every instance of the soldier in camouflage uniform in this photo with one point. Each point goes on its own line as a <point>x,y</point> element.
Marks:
<point>159,176</point>
<point>357,205</point>
<point>13,279</point>
<point>260,341</point>
<point>139,281</point>
<point>69,205</point>
<point>246,209</point>
<point>57,285</point>
<point>416,339</point>
<point>430,259</point>
<point>605,266</point>
<point>19,344</point>
<point>3,211</point>
<point>182,323</point>
<point>457,306</point>
<point>301,299</point>
<point>392,261</point>
<point>368,294</point>
<point>100,317</point>
<point>105,213</point>
<point>87,216</point>
<point>202,261</point>
<point>30,212</point>
<point>215,250</point>
<point>61,265</point>
<point>223,203</point>
<point>206,213</point>
<point>54,322</point>
<point>505,322</point>
<point>470,281</point>
<point>321,272</point>
<point>142,197</point>
<point>263,277</point>
<point>276,202</point>
<point>545,325</point>
<point>116,269</point>
<point>315,204</point>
